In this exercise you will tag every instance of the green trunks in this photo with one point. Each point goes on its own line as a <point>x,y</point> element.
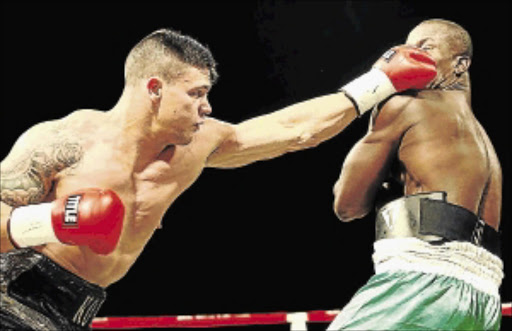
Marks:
<point>410,300</point>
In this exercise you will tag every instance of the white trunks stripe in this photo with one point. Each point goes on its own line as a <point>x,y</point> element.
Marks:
<point>465,261</point>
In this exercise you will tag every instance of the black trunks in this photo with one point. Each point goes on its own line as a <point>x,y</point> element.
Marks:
<point>36,293</point>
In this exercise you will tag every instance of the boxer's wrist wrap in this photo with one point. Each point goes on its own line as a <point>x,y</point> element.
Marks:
<point>368,90</point>
<point>9,235</point>
<point>31,225</point>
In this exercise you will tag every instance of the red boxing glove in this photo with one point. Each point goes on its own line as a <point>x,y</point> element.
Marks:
<point>399,69</point>
<point>89,217</point>
<point>407,67</point>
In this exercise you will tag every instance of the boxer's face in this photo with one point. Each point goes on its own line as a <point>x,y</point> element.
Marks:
<point>434,40</point>
<point>184,105</point>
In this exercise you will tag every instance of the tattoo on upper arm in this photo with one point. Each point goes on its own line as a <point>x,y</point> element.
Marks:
<point>29,178</point>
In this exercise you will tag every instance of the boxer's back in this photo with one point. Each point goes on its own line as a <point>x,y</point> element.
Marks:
<point>446,149</point>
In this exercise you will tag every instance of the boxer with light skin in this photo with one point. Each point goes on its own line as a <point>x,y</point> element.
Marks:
<point>147,150</point>
<point>438,244</point>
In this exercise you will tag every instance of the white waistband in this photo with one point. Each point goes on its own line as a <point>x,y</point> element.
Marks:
<point>462,260</point>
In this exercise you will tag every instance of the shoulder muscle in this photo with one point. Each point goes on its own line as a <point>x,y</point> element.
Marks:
<point>393,119</point>
<point>217,135</point>
<point>28,170</point>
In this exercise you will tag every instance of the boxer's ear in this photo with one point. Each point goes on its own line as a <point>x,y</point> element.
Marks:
<point>461,64</point>
<point>154,88</point>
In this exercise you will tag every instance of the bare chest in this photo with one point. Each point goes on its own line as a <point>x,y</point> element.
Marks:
<point>147,193</point>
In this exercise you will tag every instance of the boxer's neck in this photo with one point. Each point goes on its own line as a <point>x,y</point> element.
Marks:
<point>453,82</point>
<point>134,122</point>
<point>459,83</point>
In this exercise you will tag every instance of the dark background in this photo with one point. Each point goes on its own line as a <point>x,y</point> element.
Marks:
<point>261,238</point>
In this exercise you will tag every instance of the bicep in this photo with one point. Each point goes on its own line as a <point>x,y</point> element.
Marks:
<point>24,173</point>
<point>256,139</point>
<point>27,173</point>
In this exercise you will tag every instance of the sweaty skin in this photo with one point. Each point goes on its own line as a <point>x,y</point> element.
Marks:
<point>434,135</point>
<point>440,146</point>
<point>115,150</point>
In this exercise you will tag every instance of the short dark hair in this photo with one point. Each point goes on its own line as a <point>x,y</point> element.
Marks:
<point>165,53</point>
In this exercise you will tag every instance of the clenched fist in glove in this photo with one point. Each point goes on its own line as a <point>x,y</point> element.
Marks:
<point>90,217</point>
<point>399,69</point>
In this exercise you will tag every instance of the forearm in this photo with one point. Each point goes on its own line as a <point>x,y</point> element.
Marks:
<point>352,197</point>
<point>5,241</point>
<point>300,126</point>
<point>350,202</point>
<point>312,122</point>
<point>363,171</point>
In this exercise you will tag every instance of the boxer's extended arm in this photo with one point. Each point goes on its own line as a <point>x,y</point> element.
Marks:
<point>309,123</point>
<point>26,174</point>
<point>296,127</point>
<point>367,164</point>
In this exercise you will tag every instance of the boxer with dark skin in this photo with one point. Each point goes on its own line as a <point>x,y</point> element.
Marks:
<point>440,147</point>
<point>436,137</point>
<point>148,149</point>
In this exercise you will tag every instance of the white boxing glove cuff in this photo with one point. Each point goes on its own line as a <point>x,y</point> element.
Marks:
<point>369,89</point>
<point>32,225</point>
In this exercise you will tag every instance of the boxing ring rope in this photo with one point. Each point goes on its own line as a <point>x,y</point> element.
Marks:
<point>297,320</point>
